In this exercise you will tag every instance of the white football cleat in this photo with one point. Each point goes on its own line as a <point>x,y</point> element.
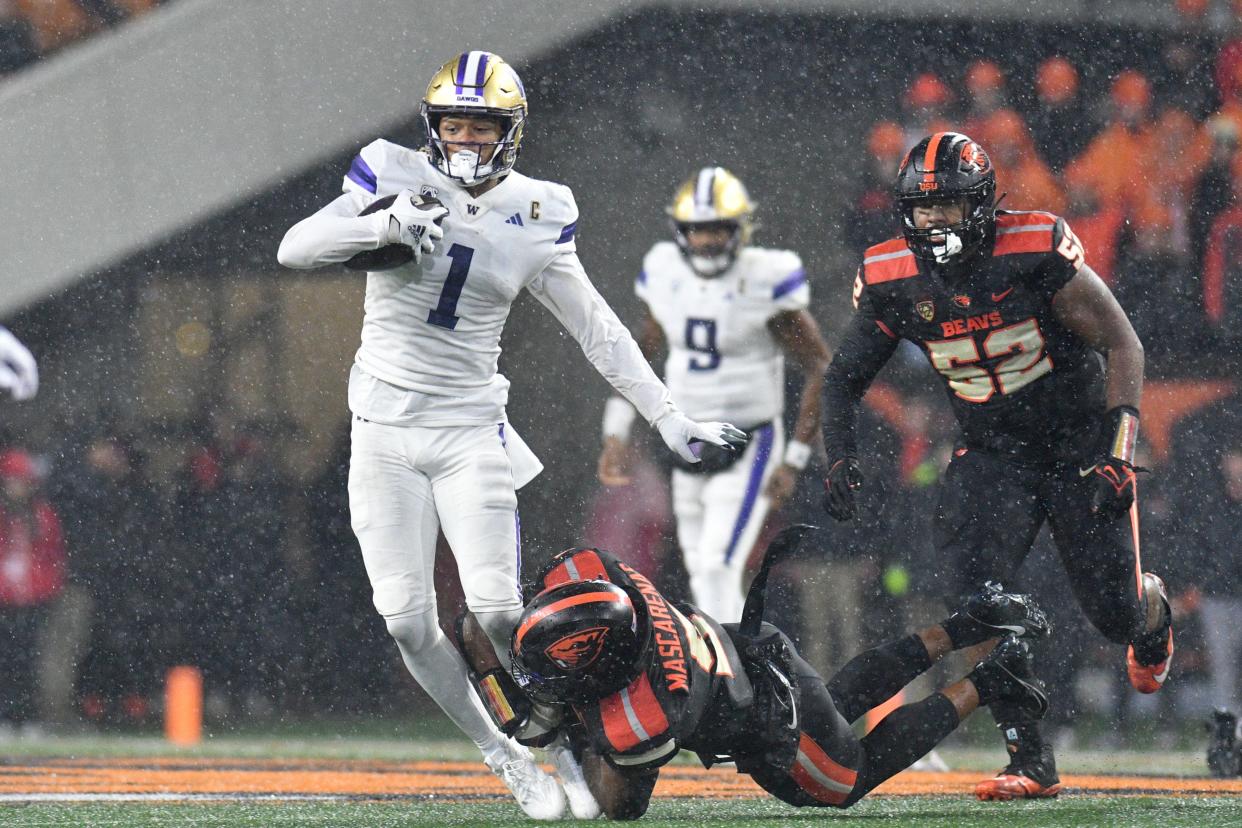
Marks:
<point>582,802</point>
<point>537,793</point>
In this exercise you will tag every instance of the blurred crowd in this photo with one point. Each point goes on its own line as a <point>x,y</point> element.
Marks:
<point>32,29</point>
<point>111,572</point>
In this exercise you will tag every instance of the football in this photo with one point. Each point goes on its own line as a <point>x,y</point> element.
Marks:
<point>391,255</point>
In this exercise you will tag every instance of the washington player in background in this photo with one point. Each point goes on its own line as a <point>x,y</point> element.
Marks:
<point>636,678</point>
<point>19,373</point>
<point>1014,321</point>
<point>460,235</point>
<point>728,313</point>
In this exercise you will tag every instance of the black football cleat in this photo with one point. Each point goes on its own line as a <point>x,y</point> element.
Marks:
<point>1007,675</point>
<point>991,612</point>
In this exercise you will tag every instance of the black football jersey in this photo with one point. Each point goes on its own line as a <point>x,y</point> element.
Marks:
<point>692,664</point>
<point>1019,381</point>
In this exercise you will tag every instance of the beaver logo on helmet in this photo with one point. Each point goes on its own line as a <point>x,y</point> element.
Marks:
<point>578,650</point>
<point>974,159</point>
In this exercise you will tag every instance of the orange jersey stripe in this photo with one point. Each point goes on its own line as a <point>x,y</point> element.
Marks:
<point>564,603</point>
<point>633,715</point>
<point>582,566</point>
<point>1037,239</point>
<point>888,261</point>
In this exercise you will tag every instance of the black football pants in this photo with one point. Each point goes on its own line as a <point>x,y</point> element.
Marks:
<point>834,768</point>
<point>990,512</point>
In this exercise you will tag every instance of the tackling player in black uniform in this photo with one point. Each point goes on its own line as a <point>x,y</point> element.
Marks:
<point>1014,321</point>
<point>635,679</point>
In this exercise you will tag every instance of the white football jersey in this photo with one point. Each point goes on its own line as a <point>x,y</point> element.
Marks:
<point>723,361</point>
<point>431,331</point>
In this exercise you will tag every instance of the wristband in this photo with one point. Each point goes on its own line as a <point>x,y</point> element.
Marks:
<point>797,454</point>
<point>618,418</point>
<point>1121,430</point>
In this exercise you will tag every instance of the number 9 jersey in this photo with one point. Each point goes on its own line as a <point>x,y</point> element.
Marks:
<point>1019,381</point>
<point>723,361</point>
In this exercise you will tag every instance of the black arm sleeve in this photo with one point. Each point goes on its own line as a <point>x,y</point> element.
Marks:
<point>862,353</point>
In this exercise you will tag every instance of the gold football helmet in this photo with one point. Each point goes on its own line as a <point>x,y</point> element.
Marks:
<point>714,199</point>
<point>482,85</point>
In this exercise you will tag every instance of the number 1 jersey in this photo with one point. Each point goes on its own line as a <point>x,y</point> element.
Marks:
<point>434,327</point>
<point>1018,380</point>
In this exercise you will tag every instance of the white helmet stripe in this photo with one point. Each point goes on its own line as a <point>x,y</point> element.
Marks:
<point>704,191</point>
<point>472,71</point>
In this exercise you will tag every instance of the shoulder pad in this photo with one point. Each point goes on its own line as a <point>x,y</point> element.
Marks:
<point>662,255</point>
<point>371,162</point>
<point>1024,232</point>
<point>633,718</point>
<point>888,261</point>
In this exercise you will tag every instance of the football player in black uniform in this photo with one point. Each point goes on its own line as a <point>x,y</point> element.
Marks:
<point>635,678</point>
<point>1015,322</point>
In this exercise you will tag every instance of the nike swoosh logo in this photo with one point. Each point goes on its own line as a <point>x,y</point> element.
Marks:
<point>1087,472</point>
<point>999,297</point>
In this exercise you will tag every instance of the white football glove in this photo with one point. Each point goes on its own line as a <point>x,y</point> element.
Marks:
<point>415,222</point>
<point>19,373</point>
<point>680,433</point>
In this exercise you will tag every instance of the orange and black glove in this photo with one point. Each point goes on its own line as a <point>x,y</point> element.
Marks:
<point>1113,472</point>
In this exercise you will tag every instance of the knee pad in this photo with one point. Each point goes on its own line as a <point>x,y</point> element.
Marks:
<point>499,626</point>
<point>414,633</point>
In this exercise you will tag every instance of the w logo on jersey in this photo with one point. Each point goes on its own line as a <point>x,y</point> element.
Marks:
<point>579,650</point>
<point>516,218</point>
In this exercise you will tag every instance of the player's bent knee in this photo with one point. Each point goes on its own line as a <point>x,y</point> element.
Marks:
<point>414,633</point>
<point>499,625</point>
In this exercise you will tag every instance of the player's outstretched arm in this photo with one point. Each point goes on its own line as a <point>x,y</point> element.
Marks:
<point>613,467</point>
<point>564,289</point>
<point>799,336</point>
<point>19,373</point>
<point>334,234</point>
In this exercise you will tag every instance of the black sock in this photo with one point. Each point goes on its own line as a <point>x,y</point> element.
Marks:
<point>873,677</point>
<point>1024,742</point>
<point>904,737</point>
<point>965,631</point>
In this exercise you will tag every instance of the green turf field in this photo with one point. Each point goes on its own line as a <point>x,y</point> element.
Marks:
<point>101,775</point>
<point>949,812</point>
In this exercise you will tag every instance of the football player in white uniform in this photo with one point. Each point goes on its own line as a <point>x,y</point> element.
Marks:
<point>19,373</point>
<point>729,313</point>
<point>431,446</point>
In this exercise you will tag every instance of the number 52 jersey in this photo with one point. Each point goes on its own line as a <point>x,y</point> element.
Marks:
<point>1018,380</point>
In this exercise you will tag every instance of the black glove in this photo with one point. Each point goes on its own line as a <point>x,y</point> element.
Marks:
<point>1113,472</point>
<point>844,478</point>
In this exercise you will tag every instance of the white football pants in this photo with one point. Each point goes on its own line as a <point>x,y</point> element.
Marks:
<point>405,483</point>
<point>718,520</point>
